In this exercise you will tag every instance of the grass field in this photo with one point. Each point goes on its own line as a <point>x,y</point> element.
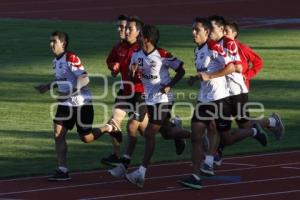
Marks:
<point>26,141</point>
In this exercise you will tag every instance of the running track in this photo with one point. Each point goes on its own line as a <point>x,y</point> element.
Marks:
<point>248,13</point>
<point>262,176</point>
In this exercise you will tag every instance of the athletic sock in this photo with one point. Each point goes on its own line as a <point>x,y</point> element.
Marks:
<point>127,156</point>
<point>254,132</point>
<point>63,169</point>
<point>209,160</point>
<point>272,122</point>
<point>110,127</point>
<point>143,170</point>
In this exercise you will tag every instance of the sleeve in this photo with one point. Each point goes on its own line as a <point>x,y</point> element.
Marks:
<point>169,60</point>
<point>75,64</point>
<point>112,57</point>
<point>232,53</point>
<point>253,59</point>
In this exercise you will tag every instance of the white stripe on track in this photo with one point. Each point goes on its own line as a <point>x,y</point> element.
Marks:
<point>150,178</point>
<point>159,165</point>
<point>180,189</point>
<point>259,195</point>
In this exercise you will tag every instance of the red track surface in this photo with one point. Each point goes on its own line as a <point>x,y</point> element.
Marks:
<point>264,176</point>
<point>249,13</point>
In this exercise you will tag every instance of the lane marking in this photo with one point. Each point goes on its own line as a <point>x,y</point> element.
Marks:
<point>121,181</point>
<point>158,165</point>
<point>298,168</point>
<point>259,195</point>
<point>180,189</point>
<point>239,164</point>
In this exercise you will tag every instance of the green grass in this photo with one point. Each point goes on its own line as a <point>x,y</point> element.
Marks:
<point>26,139</point>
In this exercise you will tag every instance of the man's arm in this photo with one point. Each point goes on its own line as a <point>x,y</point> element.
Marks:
<point>228,69</point>
<point>112,62</point>
<point>255,60</point>
<point>178,76</point>
<point>42,88</point>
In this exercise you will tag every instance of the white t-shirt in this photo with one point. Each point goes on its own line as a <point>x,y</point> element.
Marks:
<point>66,71</point>
<point>235,81</point>
<point>209,58</point>
<point>154,71</point>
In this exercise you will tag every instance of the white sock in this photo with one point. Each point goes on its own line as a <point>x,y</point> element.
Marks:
<point>209,159</point>
<point>63,169</point>
<point>196,177</point>
<point>254,132</point>
<point>110,127</point>
<point>272,122</point>
<point>127,156</point>
<point>143,170</point>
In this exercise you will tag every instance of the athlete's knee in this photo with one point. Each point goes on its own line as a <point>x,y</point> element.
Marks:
<point>87,138</point>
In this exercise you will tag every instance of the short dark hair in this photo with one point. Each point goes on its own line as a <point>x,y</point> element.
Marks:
<point>151,33</point>
<point>63,36</point>
<point>138,22</point>
<point>234,26</point>
<point>205,23</point>
<point>220,21</point>
<point>122,17</point>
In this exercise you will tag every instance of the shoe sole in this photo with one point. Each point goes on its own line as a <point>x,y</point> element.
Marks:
<point>281,135</point>
<point>59,179</point>
<point>115,175</point>
<point>189,185</point>
<point>207,173</point>
<point>110,163</point>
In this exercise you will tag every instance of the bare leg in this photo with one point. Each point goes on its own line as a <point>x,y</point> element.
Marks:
<point>233,136</point>
<point>60,144</point>
<point>198,130</point>
<point>213,137</point>
<point>150,133</point>
<point>118,116</point>
<point>132,129</point>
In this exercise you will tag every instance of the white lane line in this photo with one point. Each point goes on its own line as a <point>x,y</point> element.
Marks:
<point>239,164</point>
<point>137,193</point>
<point>180,188</point>
<point>259,195</point>
<point>150,178</point>
<point>298,168</point>
<point>159,165</point>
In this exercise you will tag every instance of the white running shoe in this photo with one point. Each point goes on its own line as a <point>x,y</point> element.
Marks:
<point>118,171</point>
<point>136,178</point>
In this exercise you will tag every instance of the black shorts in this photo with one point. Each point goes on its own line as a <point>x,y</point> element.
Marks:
<point>239,108</point>
<point>206,112</point>
<point>159,113</point>
<point>232,107</point>
<point>82,116</point>
<point>135,106</point>
<point>223,122</point>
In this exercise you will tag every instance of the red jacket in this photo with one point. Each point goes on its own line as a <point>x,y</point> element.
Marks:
<point>122,53</point>
<point>249,56</point>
